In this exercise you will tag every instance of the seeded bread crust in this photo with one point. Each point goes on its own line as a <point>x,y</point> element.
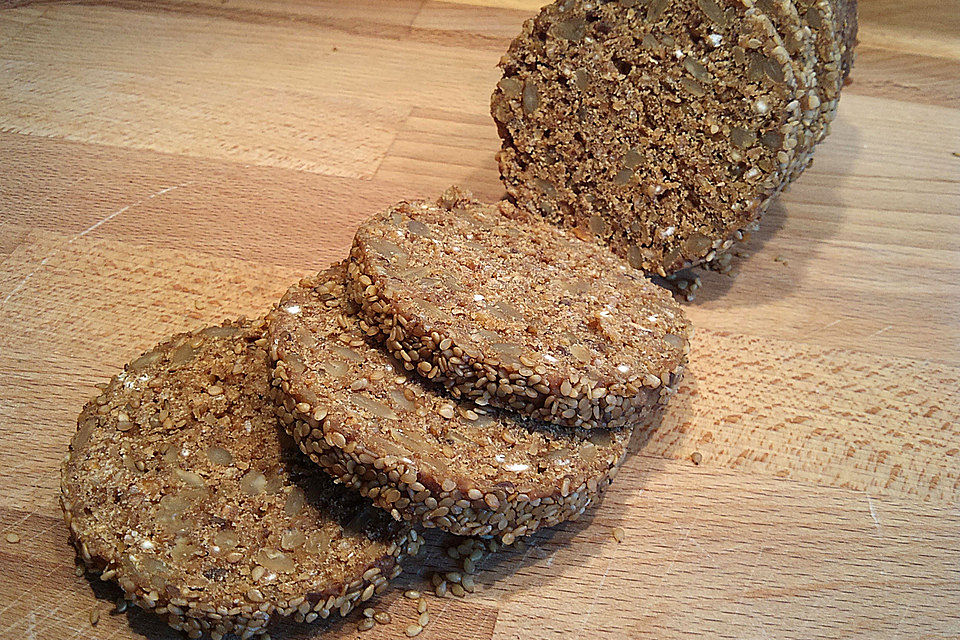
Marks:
<point>799,41</point>
<point>181,487</point>
<point>509,311</point>
<point>416,453</point>
<point>845,19</point>
<point>818,16</point>
<point>661,128</point>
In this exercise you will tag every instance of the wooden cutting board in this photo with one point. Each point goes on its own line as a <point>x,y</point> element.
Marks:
<point>167,164</point>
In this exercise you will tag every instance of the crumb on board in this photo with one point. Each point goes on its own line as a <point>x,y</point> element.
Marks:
<point>12,538</point>
<point>618,534</point>
<point>697,457</point>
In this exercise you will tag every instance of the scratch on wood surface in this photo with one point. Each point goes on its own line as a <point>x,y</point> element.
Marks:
<point>92,227</point>
<point>833,324</point>
<point>31,626</point>
<point>903,613</point>
<point>80,627</point>
<point>596,593</point>
<point>755,622</point>
<point>814,331</point>
<point>676,553</point>
<point>873,512</point>
<point>24,594</point>
<point>876,333</point>
<point>50,615</point>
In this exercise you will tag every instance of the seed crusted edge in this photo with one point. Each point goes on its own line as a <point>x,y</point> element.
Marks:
<point>484,379</point>
<point>396,485</point>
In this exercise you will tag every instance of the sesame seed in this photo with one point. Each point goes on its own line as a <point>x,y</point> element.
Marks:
<point>422,605</point>
<point>12,538</point>
<point>94,617</point>
<point>382,617</point>
<point>366,624</point>
<point>413,630</point>
<point>697,457</point>
<point>411,594</point>
<point>651,380</point>
<point>424,619</point>
<point>618,534</point>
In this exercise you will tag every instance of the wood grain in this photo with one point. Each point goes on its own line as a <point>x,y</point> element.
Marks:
<point>167,164</point>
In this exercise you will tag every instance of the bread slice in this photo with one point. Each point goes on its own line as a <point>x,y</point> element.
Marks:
<point>422,456</point>
<point>511,311</point>
<point>660,127</point>
<point>182,487</point>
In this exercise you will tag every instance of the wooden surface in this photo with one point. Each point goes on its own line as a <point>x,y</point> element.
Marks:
<point>166,164</point>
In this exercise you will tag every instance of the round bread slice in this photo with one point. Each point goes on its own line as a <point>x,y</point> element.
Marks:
<point>660,127</point>
<point>510,311</point>
<point>182,487</point>
<point>424,457</point>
